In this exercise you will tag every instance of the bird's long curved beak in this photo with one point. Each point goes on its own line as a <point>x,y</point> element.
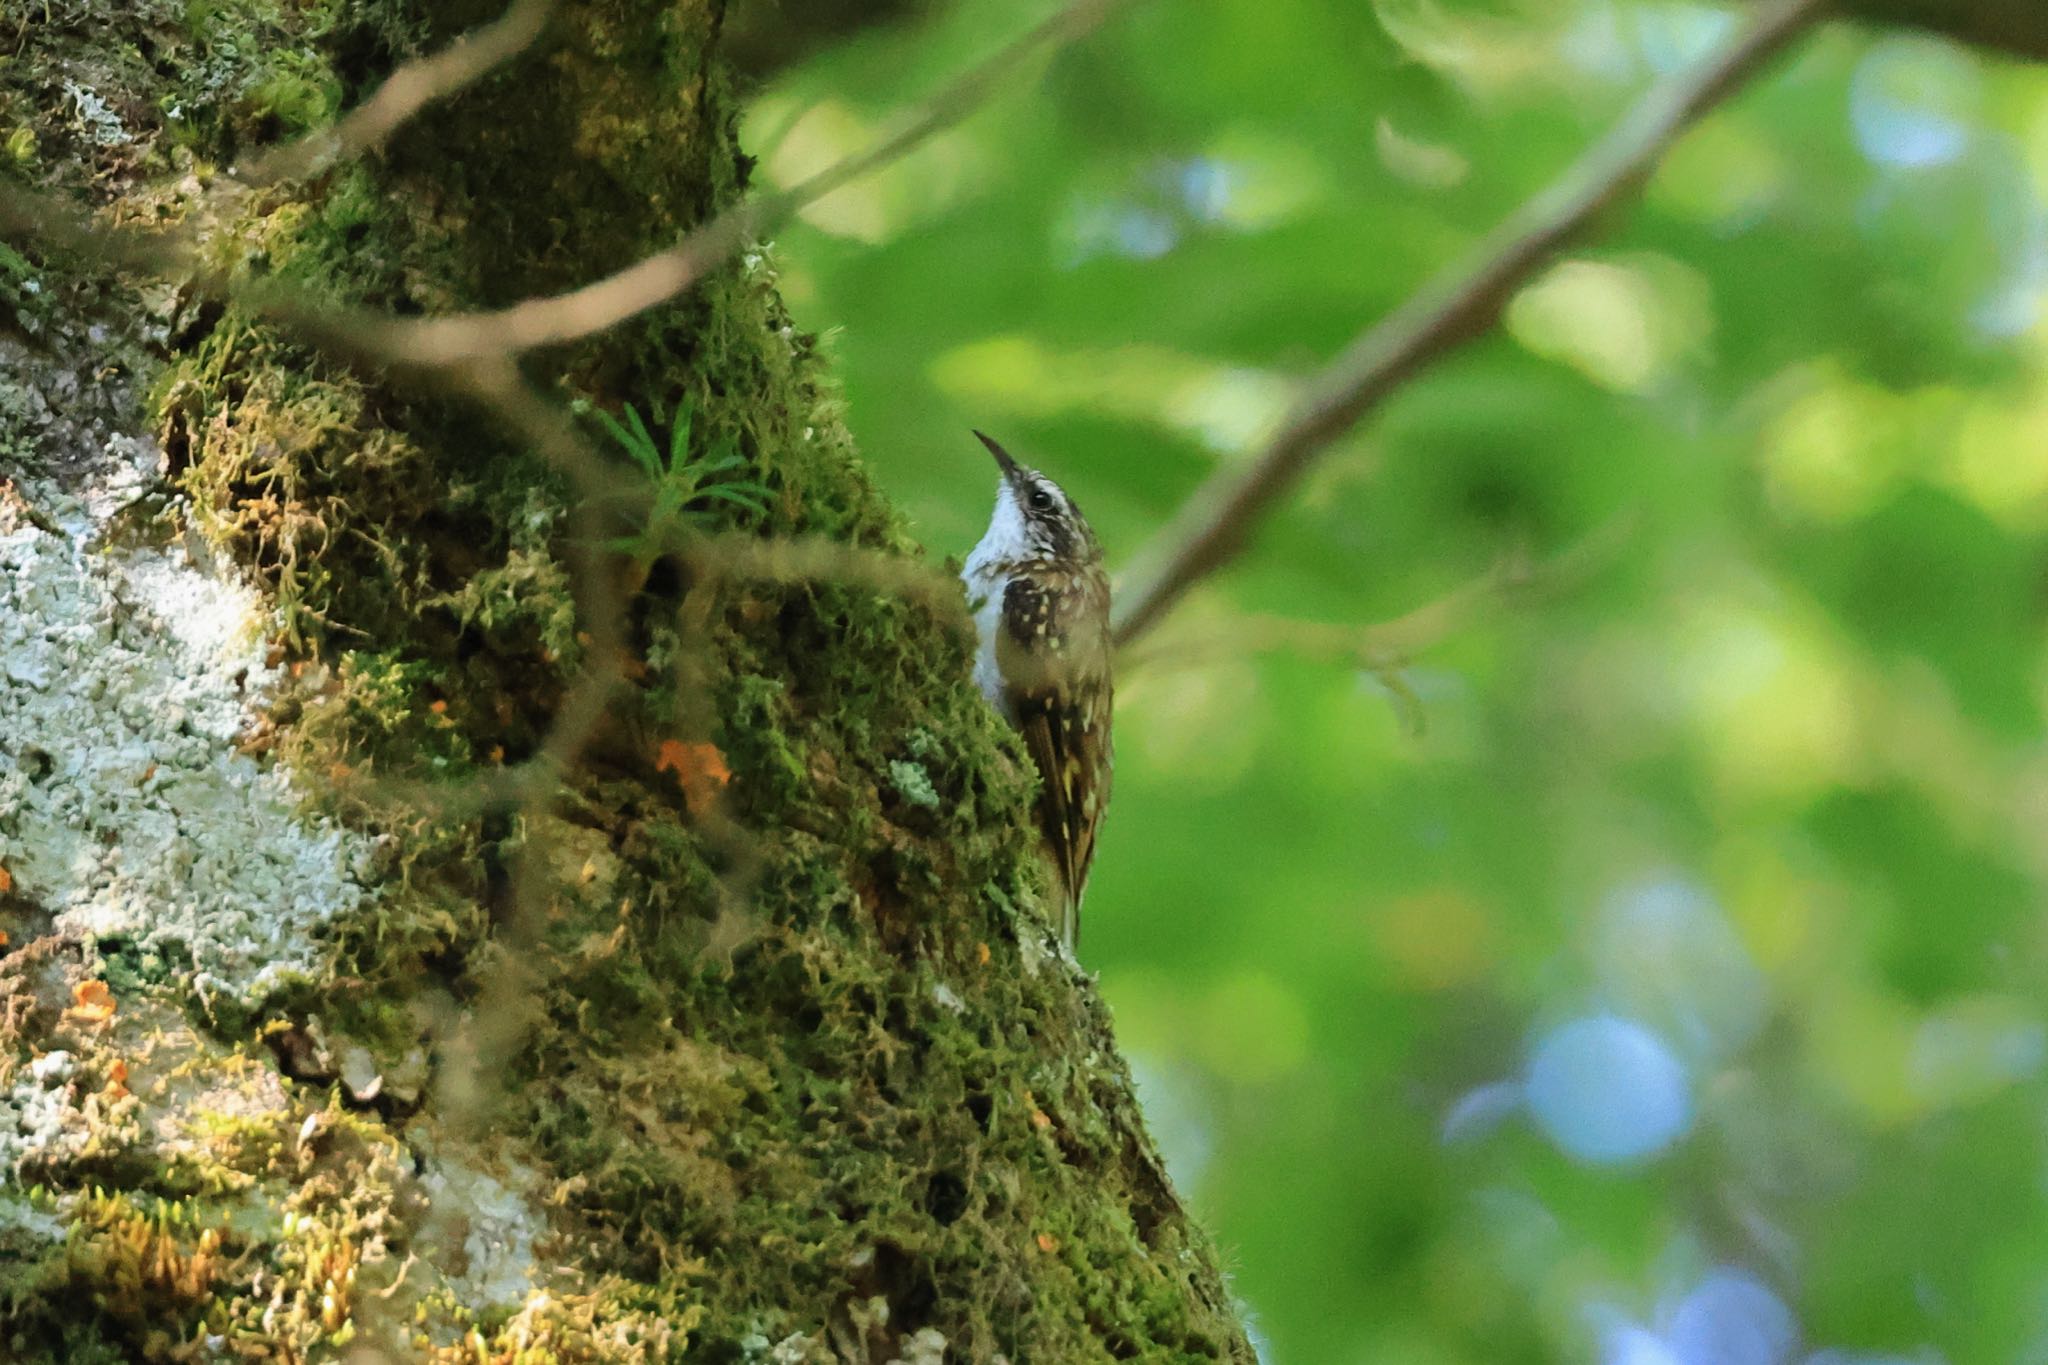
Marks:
<point>1002,456</point>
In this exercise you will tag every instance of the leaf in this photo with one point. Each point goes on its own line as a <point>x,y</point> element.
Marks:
<point>642,437</point>
<point>736,494</point>
<point>636,443</point>
<point>679,438</point>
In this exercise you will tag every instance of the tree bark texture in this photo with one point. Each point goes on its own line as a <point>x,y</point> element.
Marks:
<point>774,1066</point>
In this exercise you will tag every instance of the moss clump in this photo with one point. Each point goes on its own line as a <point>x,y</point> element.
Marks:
<point>148,1271</point>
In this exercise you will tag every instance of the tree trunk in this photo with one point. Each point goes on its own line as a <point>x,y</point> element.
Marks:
<point>742,1041</point>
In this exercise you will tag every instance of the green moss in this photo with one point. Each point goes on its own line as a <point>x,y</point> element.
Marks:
<point>17,427</point>
<point>261,1245</point>
<point>296,93</point>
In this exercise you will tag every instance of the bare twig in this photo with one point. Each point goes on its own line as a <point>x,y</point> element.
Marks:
<point>465,339</point>
<point>26,216</point>
<point>2016,27</point>
<point>800,558</point>
<point>459,338</point>
<point>1390,644</point>
<point>404,93</point>
<point>548,429</point>
<point>1458,307</point>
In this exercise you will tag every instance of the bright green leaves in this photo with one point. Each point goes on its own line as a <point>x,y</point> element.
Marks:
<point>683,491</point>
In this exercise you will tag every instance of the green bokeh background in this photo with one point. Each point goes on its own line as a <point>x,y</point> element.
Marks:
<point>1755,763</point>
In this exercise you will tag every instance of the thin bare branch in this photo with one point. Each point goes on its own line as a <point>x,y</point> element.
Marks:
<point>2016,27</point>
<point>404,93</point>
<point>1458,307</point>
<point>1392,644</point>
<point>459,338</point>
<point>601,613</point>
<point>26,216</point>
<point>466,339</point>
<point>815,558</point>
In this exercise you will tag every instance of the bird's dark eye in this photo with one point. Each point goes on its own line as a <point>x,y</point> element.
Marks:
<point>1041,501</point>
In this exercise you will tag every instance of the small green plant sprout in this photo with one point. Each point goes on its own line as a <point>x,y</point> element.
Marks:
<point>683,492</point>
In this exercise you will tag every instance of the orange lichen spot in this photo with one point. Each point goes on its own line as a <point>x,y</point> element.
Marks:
<point>699,768</point>
<point>147,773</point>
<point>981,954</point>
<point>1048,1243</point>
<point>91,1003</point>
<point>338,771</point>
<point>117,1078</point>
<point>497,754</point>
<point>1040,1119</point>
<point>439,707</point>
<point>6,880</point>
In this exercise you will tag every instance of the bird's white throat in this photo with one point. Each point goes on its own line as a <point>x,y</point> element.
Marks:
<point>1005,542</point>
<point>986,574</point>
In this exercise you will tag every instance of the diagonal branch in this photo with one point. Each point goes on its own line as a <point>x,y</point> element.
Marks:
<point>404,93</point>
<point>2016,27</point>
<point>1386,648</point>
<point>1458,307</point>
<point>462,340</point>
<point>465,337</point>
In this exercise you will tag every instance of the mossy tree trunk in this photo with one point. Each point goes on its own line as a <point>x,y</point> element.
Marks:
<point>662,1066</point>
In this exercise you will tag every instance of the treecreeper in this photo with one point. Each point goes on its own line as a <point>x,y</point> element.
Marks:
<point>1040,599</point>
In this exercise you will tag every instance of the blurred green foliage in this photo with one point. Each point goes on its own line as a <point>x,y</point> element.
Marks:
<point>1759,786</point>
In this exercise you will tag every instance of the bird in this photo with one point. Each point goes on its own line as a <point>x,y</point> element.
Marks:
<point>1040,600</point>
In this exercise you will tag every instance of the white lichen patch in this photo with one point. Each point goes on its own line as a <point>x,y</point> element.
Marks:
<point>794,1349</point>
<point>125,809</point>
<point>481,1227</point>
<point>37,1115</point>
<point>925,1346</point>
<point>96,117</point>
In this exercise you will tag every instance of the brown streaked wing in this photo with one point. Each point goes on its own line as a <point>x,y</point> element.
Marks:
<point>1055,666</point>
